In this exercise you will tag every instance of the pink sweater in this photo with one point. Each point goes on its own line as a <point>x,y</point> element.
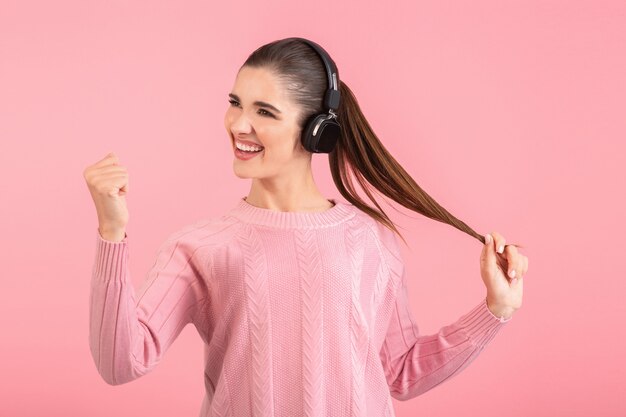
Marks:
<point>300,313</point>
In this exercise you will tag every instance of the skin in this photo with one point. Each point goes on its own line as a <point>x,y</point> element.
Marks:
<point>282,177</point>
<point>502,269</point>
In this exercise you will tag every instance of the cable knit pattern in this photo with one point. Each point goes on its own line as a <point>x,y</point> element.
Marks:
<point>259,320</point>
<point>300,314</point>
<point>313,392</point>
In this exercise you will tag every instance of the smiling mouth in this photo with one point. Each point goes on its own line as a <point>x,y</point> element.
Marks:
<point>247,148</point>
<point>244,151</point>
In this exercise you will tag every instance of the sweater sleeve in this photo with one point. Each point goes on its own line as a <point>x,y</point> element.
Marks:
<point>415,363</point>
<point>128,335</point>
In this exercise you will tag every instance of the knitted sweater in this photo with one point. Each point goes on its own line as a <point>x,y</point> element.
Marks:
<point>300,313</point>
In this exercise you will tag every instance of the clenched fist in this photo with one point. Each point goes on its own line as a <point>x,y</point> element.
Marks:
<point>107,181</point>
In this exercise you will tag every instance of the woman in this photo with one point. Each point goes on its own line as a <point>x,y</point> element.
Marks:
<point>301,301</point>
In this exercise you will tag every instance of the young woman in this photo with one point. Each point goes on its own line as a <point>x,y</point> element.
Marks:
<point>300,301</point>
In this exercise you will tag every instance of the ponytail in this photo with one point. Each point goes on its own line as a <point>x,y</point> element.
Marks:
<point>358,152</point>
<point>361,154</point>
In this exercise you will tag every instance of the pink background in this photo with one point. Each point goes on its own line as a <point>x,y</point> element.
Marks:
<point>511,115</point>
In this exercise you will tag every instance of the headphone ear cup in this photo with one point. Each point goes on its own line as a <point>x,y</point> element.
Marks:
<point>308,140</point>
<point>326,134</point>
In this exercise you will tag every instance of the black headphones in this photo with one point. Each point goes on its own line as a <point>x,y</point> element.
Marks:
<point>321,131</point>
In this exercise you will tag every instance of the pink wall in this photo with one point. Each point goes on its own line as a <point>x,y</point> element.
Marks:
<point>511,116</point>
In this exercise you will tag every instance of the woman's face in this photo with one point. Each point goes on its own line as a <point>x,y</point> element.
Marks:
<point>260,113</point>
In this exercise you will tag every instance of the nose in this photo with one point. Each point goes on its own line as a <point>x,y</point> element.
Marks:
<point>238,123</point>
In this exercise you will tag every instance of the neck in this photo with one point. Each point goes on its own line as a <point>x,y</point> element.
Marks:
<point>337,213</point>
<point>289,195</point>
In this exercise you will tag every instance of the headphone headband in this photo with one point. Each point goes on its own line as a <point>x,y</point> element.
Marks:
<point>332,96</point>
<point>322,131</point>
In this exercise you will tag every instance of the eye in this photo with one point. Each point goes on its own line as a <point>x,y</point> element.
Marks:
<point>266,113</point>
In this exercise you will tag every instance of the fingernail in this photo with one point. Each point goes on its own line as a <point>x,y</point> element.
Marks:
<point>501,249</point>
<point>514,280</point>
<point>512,273</point>
<point>487,238</point>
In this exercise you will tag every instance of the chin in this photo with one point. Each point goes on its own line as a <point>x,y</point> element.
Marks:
<point>241,173</point>
<point>243,177</point>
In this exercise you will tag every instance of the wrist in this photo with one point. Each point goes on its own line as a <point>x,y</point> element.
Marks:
<point>112,235</point>
<point>506,312</point>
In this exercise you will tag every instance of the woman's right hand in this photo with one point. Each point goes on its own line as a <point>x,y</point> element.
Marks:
<point>107,181</point>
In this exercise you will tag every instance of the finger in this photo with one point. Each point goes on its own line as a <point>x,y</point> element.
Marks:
<point>512,250</point>
<point>110,159</point>
<point>500,241</point>
<point>514,263</point>
<point>521,266</point>
<point>525,266</point>
<point>489,252</point>
<point>109,169</point>
<point>105,172</point>
<point>118,184</point>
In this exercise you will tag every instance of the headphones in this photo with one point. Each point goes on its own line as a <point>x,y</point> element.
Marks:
<point>321,131</point>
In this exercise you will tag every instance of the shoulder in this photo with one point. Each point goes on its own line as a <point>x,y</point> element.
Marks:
<point>203,235</point>
<point>387,240</point>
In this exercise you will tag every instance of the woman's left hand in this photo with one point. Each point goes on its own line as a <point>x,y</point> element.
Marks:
<point>502,268</point>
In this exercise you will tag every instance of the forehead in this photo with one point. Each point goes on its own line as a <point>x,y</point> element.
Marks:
<point>259,84</point>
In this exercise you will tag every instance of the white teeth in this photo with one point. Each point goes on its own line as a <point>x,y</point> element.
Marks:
<point>243,147</point>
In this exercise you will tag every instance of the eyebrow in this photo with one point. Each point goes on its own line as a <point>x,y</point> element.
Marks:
<point>257,103</point>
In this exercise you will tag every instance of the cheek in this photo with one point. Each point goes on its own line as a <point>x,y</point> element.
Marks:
<point>297,141</point>
<point>228,118</point>
<point>280,142</point>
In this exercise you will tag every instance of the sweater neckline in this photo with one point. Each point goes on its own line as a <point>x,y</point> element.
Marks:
<point>248,213</point>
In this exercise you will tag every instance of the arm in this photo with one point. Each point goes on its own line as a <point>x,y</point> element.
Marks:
<point>128,336</point>
<point>416,363</point>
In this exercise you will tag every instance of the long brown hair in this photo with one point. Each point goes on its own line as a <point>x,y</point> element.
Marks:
<point>358,152</point>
